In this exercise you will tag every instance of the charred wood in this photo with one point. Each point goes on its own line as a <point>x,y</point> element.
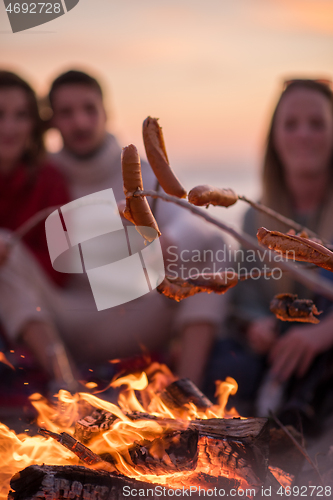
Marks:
<point>69,442</point>
<point>181,393</point>
<point>79,483</point>
<point>238,428</point>
<point>173,453</point>
<point>91,425</point>
<point>233,458</point>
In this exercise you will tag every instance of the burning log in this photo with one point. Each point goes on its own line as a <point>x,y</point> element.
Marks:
<point>173,453</point>
<point>239,446</point>
<point>234,458</point>
<point>93,424</point>
<point>77,483</point>
<point>73,445</point>
<point>238,428</point>
<point>182,392</point>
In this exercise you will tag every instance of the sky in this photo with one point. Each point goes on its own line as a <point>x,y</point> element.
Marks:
<point>211,70</point>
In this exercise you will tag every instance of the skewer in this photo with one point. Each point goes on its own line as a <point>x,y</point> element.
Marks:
<point>205,195</point>
<point>290,223</point>
<point>21,231</point>
<point>316,283</point>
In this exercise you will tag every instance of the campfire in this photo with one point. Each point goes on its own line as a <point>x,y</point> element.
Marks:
<point>162,433</point>
<point>161,436</point>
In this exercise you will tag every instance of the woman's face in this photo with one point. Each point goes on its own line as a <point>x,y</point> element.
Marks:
<point>303,132</point>
<point>16,125</point>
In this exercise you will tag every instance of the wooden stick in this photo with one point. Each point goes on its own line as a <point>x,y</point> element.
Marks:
<point>38,217</point>
<point>316,283</point>
<point>290,223</point>
<point>298,446</point>
<point>182,392</point>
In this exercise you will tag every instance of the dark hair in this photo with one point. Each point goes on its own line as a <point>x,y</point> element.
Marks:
<point>36,149</point>
<point>74,77</point>
<point>274,185</point>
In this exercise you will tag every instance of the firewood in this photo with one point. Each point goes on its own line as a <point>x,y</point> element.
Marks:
<point>175,452</point>
<point>79,483</point>
<point>74,482</point>
<point>91,425</point>
<point>237,428</point>
<point>69,442</point>
<point>231,457</point>
<point>239,444</point>
<point>181,393</point>
<point>176,396</point>
<point>172,452</point>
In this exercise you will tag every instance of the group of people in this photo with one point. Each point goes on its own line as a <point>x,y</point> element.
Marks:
<point>54,313</point>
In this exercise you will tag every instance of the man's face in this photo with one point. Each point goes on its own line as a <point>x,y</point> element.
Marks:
<point>79,115</point>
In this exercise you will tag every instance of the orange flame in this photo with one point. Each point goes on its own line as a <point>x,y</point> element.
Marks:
<point>20,451</point>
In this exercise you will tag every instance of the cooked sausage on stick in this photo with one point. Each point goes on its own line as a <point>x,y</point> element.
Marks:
<point>288,307</point>
<point>158,158</point>
<point>179,289</point>
<point>137,208</point>
<point>296,247</point>
<point>209,195</point>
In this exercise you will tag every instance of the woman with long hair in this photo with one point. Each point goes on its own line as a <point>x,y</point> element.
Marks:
<point>28,184</point>
<point>297,181</point>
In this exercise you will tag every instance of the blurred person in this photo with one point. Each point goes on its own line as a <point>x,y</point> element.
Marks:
<point>28,183</point>
<point>90,161</point>
<point>298,183</point>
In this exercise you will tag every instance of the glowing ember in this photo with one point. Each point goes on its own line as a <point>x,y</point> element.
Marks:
<point>4,360</point>
<point>281,476</point>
